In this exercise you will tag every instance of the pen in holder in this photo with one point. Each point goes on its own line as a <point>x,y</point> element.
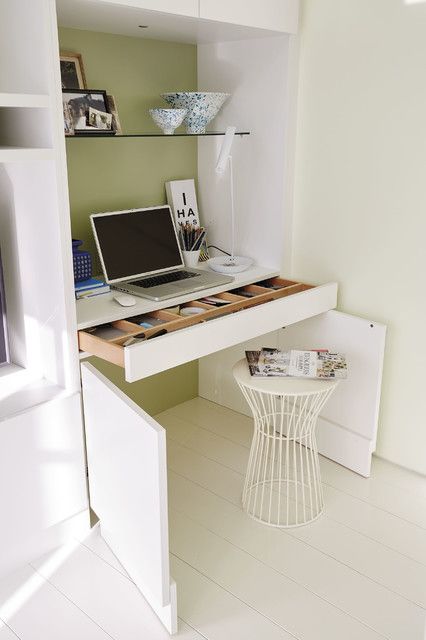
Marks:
<point>191,239</point>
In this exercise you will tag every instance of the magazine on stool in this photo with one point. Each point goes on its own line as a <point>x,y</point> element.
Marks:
<point>321,364</point>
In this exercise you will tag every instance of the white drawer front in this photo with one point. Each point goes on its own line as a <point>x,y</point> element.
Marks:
<point>151,357</point>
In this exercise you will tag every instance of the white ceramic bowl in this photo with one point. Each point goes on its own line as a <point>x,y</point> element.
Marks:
<point>168,119</point>
<point>201,107</point>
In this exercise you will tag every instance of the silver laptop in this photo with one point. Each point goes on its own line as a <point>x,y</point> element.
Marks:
<point>140,254</point>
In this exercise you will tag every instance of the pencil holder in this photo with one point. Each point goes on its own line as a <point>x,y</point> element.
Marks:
<point>82,261</point>
<point>191,258</point>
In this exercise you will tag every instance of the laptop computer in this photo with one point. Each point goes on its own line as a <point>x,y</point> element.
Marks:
<point>140,254</point>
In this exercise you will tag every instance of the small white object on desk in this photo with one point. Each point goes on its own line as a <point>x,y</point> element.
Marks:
<point>125,300</point>
<point>229,264</point>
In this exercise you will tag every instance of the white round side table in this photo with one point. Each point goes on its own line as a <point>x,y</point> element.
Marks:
<point>282,487</point>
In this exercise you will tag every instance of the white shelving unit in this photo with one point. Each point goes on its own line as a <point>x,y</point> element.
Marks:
<point>245,48</point>
<point>24,100</point>
<point>22,154</point>
<point>41,448</point>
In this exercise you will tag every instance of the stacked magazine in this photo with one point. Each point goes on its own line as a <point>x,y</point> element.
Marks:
<point>90,288</point>
<point>322,364</point>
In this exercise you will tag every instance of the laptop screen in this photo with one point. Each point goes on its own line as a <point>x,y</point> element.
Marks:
<point>136,243</point>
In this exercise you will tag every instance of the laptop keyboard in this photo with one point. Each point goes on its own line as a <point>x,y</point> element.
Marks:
<point>164,278</point>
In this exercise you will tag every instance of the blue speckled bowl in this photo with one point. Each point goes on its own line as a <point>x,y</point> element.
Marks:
<point>201,107</point>
<point>168,119</point>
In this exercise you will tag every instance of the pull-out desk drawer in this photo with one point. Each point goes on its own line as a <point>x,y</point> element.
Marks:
<point>175,339</point>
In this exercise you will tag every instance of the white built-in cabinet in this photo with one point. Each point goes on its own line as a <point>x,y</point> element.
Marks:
<point>276,15</point>
<point>43,489</point>
<point>43,494</point>
<point>126,453</point>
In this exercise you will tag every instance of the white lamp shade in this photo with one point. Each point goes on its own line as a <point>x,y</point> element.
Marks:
<point>225,150</point>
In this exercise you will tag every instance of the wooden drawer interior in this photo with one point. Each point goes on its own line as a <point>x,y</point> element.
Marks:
<point>109,341</point>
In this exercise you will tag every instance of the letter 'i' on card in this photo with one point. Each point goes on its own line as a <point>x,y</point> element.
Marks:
<point>182,199</point>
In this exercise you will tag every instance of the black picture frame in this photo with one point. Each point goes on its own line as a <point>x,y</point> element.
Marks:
<point>4,342</point>
<point>76,105</point>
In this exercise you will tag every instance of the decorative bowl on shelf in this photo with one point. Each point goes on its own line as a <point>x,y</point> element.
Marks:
<point>201,107</point>
<point>168,119</point>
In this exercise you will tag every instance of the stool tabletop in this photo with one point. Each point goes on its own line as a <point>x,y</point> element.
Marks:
<point>280,386</point>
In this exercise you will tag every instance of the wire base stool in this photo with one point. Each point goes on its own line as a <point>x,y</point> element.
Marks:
<point>282,486</point>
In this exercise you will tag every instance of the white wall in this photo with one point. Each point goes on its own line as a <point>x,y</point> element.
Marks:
<point>360,196</point>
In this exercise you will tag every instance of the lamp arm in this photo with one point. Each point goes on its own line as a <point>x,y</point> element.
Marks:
<point>231,188</point>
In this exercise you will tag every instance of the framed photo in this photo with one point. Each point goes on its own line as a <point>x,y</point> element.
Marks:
<point>99,119</point>
<point>72,71</point>
<point>112,108</point>
<point>79,104</point>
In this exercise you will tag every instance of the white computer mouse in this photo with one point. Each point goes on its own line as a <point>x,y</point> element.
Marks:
<point>125,300</point>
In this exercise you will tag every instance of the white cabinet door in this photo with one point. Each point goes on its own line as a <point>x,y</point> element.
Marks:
<point>43,493</point>
<point>126,451</point>
<point>277,15</point>
<point>347,428</point>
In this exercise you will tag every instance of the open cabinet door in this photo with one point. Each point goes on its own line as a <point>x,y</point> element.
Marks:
<point>126,452</point>
<point>347,427</point>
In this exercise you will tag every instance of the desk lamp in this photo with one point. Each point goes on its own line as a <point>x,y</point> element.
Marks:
<point>229,264</point>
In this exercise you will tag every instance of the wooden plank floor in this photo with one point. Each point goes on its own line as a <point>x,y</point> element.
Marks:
<point>359,572</point>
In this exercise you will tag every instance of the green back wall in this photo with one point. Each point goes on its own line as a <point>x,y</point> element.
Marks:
<point>113,174</point>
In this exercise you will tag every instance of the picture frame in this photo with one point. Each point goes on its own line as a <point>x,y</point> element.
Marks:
<point>112,107</point>
<point>76,105</point>
<point>72,70</point>
<point>99,119</point>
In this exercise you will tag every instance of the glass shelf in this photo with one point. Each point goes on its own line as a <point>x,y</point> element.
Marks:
<point>153,135</point>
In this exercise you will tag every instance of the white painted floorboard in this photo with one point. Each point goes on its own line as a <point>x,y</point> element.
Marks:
<point>365,557</point>
<point>348,590</point>
<point>35,610</point>
<point>218,614</point>
<point>105,594</point>
<point>6,633</point>
<point>359,572</point>
<point>271,594</point>
<point>197,430</point>
<point>407,499</point>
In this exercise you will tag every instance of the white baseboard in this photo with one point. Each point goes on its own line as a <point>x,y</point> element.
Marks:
<point>344,447</point>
